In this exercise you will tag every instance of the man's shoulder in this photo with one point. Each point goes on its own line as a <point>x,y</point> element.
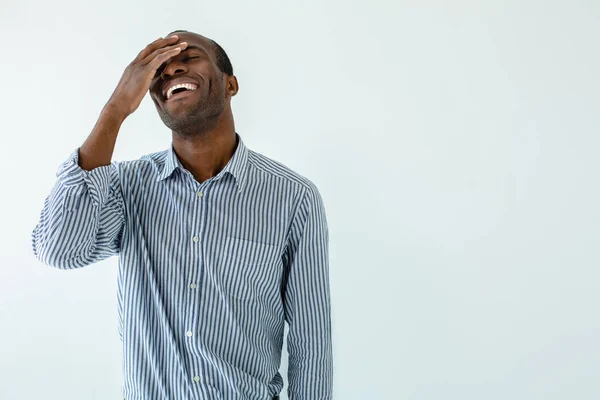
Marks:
<point>278,170</point>
<point>156,158</point>
<point>150,162</point>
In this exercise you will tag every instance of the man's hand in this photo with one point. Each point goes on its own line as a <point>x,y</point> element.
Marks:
<point>134,84</point>
<point>138,75</point>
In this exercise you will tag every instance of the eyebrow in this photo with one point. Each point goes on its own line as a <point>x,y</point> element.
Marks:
<point>193,47</point>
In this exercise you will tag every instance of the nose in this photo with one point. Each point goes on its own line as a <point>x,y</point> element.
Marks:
<point>173,67</point>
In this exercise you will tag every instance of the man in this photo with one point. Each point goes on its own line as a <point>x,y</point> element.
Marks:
<point>218,245</point>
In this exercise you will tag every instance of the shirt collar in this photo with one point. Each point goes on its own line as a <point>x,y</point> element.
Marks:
<point>236,165</point>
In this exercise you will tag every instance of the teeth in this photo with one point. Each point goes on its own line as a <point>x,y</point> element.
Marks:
<point>188,86</point>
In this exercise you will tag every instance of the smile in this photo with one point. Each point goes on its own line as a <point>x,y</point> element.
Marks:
<point>180,88</point>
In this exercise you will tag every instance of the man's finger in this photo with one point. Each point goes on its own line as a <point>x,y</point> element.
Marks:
<point>157,44</point>
<point>158,52</point>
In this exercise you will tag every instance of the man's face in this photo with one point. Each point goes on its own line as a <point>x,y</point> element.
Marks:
<point>201,98</point>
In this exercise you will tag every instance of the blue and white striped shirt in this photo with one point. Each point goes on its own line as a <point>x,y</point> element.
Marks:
<point>208,272</point>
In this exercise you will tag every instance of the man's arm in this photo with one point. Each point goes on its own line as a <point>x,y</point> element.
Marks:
<point>307,302</point>
<point>83,217</point>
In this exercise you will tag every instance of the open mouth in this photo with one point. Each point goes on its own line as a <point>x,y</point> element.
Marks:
<point>180,90</point>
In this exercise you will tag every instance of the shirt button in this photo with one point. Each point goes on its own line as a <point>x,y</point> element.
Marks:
<point>197,378</point>
<point>200,194</point>
<point>193,286</point>
<point>196,238</point>
<point>189,333</point>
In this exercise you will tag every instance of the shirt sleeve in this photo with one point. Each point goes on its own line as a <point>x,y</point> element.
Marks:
<point>83,217</point>
<point>307,302</point>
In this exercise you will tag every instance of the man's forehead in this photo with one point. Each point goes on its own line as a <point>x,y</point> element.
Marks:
<point>195,40</point>
<point>192,38</point>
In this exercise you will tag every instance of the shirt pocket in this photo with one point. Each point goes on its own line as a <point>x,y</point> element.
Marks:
<point>248,268</point>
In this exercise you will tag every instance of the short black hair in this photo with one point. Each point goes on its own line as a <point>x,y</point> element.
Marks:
<point>223,61</point>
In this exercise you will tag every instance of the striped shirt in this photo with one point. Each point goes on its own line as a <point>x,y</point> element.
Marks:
<point>208,272</point>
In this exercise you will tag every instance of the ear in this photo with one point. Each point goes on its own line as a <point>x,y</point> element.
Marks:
<point>232,86</point>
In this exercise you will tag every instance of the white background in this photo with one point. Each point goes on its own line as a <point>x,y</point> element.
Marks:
<point>455,145</point>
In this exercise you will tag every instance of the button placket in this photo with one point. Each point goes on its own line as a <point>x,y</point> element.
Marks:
<point>197,226</point>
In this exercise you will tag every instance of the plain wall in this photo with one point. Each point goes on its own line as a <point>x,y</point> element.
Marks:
<point>455,145</point>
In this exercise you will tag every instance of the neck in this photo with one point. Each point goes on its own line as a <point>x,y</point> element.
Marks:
<point>206,152</point>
